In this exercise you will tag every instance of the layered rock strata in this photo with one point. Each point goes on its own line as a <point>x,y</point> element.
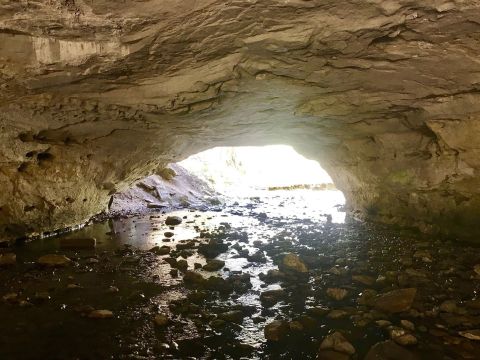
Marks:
<point>97,94</point>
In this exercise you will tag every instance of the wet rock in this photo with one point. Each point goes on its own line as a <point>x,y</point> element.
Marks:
<point>416,273</point>
<point>449,306</point>
<point>78,243</point>
<point>235,316</point>
<point>406,340</point>
<point>219,284</point>
<point>160,250</point>
<point>337,314</point>
<point>173,220</point>
<point>388,350</point>
<point>337,342</point>
<point>271,297</point>
<point>364,279</point>
<point>214,265</point>
<point>473,304</point>
<point>73,286</point>
<point>161,320</point>
<point>273,275</point>
<point>168,234</point>
<point>276,330</point>
<point>401,337</point>
<point>41,296</point>
<point>332,355</point>
<point>10,298</point>
<point>383,323</point>
<point>193,278</point>
<point>54,260</point>
<point>257,257</point>
<point>296,326</point>
<point>218,323</point>
<point>24,303</point>
<point>186,245</point>
<point>476,269</point>
<point>174,273</point>
<point>471,334</point>
<point>339,271</point>
<point>172,261</point>
<point>113,289</point>
<point>182,265</point>
<point>424,255</point>
<point>337,293</point>
<point>367,297</point>
<point>395,301</point>
<point>407,325</point>
<point>292,262</point>
<point>8,259</point>
<point>212,249</point>
<point>100,314</point>
<point>318,311</point>
<point>93,260</point>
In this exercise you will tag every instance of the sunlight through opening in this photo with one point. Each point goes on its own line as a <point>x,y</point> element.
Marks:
<point>269,172</point>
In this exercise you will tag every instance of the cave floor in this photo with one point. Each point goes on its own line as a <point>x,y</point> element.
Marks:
<point>162,305</point>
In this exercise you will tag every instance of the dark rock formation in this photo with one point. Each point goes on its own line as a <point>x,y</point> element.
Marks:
<point>384,93</point>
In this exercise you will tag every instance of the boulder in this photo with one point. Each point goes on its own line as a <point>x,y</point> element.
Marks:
<point>395,301</point>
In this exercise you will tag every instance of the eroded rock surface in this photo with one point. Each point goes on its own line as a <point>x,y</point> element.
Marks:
<point>96,95</point>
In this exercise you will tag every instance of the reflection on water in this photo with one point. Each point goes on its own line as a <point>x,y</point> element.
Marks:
<point>125,273</point>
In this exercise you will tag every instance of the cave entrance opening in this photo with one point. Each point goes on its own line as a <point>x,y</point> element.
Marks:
<point>276,176</point>
<point>273,180</point>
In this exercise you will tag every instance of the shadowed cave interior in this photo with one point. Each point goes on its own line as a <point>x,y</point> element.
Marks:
<point>140,217</point>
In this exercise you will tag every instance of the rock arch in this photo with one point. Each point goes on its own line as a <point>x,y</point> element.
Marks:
<point>95,95</point>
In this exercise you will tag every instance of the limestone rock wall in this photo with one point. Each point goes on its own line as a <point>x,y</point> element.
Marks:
<point>97,94</point>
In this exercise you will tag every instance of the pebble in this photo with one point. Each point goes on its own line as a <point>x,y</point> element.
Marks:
<point>407,325</point>
<point>53,260</point>
<point>173,220</point>
<point>337,293</point>
<point>337,342</point>
<point>471,334</point>
<point>100,314</point>
<point>8,259</point>
<point>160,250</point>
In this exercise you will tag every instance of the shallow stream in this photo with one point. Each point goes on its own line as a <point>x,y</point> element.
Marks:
<point>48,312</point>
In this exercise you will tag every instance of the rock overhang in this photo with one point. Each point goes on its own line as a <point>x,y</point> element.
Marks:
<point>95,96</point>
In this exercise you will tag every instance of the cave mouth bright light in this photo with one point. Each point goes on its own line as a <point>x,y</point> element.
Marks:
<point>287,182</point>
<point>256,168</point>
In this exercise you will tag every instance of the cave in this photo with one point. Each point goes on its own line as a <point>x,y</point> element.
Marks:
<point>97,95</point>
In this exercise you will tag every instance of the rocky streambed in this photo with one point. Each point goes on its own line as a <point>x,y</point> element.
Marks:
<point>261,278</point>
